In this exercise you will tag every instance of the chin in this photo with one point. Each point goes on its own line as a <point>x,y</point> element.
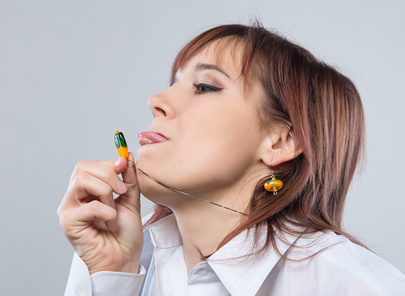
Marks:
<point>155,192</point>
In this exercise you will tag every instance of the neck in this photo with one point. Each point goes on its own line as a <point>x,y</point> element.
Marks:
<point>202,231</point>
<point>203,226</point>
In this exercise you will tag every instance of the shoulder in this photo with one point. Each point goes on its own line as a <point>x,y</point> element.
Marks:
<point>341,264</point>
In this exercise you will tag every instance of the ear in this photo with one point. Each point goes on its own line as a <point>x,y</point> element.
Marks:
<point>280,147</point>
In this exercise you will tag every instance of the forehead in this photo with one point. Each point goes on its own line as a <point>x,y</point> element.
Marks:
<point>225,54</point>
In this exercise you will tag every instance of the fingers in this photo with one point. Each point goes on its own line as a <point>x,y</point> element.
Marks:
<point>104,171</point>
<point>97,180</point>
<point>119,165</point>
<point>92,180</point>
<point>89,187</point>
<point>96,210</point>
<point>86,214</point>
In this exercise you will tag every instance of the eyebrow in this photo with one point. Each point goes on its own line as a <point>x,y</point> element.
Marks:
<point>202,66</point>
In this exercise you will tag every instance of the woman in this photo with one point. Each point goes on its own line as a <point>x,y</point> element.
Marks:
<point>244,106</point>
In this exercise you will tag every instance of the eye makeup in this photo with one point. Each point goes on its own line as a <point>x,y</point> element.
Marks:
<point>202,88</point>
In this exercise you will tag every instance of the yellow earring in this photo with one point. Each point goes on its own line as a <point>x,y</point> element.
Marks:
<point>274,184</point>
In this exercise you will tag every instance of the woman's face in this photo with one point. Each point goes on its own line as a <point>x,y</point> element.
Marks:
<point>212,134</point>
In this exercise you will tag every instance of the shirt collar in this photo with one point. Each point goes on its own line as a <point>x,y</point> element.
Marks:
<point>239,257</point>
<point>165,233</point>
<point>249,267</point>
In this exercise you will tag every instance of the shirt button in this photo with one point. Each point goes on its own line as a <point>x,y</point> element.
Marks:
<point>82,294</point>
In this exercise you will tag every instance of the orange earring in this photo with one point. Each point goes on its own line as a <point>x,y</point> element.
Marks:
<point>274,184</point>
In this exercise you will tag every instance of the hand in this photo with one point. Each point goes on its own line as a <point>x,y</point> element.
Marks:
<point>106,233</point>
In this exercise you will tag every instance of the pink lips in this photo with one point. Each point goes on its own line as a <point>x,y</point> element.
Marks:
<point>151,138</point>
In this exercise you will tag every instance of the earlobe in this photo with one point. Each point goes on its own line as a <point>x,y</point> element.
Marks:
<point>280,148</point>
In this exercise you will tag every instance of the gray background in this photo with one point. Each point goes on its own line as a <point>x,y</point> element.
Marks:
<point>72,72</point>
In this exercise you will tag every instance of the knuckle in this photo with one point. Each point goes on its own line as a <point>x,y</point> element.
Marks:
<point>65,223</point>
<point>108,174</point>
<point>80,179</point>
<point>81,165</point>
<point>105,191</point>
<point>94,205</point>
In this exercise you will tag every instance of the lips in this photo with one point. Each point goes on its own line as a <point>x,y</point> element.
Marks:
<point>146,138</point>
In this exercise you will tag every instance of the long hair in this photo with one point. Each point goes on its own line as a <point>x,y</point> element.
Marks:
<point>324,112</point>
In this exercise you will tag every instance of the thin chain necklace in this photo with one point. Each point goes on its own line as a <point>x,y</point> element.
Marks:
<point>184,193</point>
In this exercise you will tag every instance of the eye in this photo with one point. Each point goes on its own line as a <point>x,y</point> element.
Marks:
<point>202,88</point>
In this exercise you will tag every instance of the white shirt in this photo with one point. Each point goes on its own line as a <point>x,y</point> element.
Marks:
<point>343,268</point>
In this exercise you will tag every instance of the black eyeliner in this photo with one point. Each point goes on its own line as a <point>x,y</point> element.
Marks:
<point>209,87</point>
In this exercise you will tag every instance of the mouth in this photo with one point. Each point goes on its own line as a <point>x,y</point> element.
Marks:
<point>147,138</point>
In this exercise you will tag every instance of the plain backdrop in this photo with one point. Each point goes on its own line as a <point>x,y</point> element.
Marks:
<point>72,72</point>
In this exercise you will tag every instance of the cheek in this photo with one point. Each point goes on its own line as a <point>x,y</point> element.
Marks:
<point>224,144</point>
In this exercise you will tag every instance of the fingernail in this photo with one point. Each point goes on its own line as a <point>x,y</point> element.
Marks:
<point>117,162</point>
<point>121,188</point>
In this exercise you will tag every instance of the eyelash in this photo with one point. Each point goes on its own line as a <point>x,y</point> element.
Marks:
<point>202,88</point>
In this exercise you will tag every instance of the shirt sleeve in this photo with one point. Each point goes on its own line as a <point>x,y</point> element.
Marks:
<point>103,283</point>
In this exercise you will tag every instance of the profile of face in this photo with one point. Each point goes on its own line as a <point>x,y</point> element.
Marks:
<point>213,139</point>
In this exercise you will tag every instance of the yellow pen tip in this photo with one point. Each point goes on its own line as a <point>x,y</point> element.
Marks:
<point>117,132</point>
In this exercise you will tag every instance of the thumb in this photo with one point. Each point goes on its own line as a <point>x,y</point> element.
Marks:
<point>129,173</point>
<point>130,180</point>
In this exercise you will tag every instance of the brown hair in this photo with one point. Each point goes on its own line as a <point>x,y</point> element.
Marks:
<point>324,112</point>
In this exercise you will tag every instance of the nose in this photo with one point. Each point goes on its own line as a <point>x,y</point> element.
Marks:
<point>160,106</point>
